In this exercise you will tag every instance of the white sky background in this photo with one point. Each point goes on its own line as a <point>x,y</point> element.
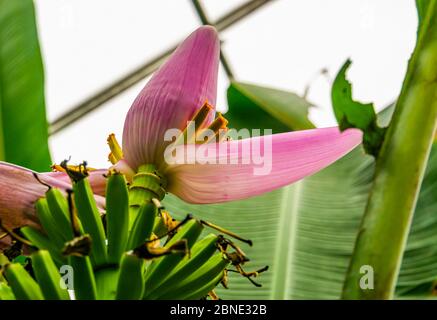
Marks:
<point>88,44</point>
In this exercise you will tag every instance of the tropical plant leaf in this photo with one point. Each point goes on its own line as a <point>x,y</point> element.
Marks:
<point>249,103</point>
<point>419,265</point>
<point>23,124</point>
<point>306,232</point>
<point>353,114</point>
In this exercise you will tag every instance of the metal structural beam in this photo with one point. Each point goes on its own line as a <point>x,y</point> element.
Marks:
<point>205,20</point>
<point>92,103</point>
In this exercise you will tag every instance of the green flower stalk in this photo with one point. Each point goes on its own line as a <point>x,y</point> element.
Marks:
<point>399,171</point>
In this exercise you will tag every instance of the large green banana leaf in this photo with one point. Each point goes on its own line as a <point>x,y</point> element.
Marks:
<point>23,125</point>
<point>306,232</point>
<point>279,110</point>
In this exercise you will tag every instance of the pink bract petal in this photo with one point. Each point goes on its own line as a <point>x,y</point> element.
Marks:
<point>294,155</point>
<point>171,98</point>
<point>122,166</point>
<point>96,178</point>
<point>19,190</point>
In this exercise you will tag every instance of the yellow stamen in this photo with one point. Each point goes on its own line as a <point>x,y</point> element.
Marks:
<point>216,131</point>
<point>224,136</point>
<point>112,158</point>
<point>168,221</point>
<point>202,115</point>
<point>147,252</point>
<point>116,153</point>
<point>196,123</point>
<point>219,123</point>
<point>154,241</point>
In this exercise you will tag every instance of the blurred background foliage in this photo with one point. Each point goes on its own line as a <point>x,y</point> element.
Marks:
<point>23,124</point>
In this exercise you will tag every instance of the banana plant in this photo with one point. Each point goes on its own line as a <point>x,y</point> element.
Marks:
<point>181,93</point>
<point>175,113</point>
<point>124,244</point>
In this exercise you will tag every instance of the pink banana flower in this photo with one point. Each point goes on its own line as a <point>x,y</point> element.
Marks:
<point>176,94</point>
<point>173,96</point>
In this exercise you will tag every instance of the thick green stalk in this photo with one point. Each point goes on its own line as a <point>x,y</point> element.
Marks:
<point>146,185</point>
<point>399,172</point>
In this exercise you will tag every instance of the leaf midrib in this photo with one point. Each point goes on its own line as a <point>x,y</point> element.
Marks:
<point>285,242</point>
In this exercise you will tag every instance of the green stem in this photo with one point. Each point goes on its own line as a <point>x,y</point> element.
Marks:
<point>146,185</point>
<point>399,172</point>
